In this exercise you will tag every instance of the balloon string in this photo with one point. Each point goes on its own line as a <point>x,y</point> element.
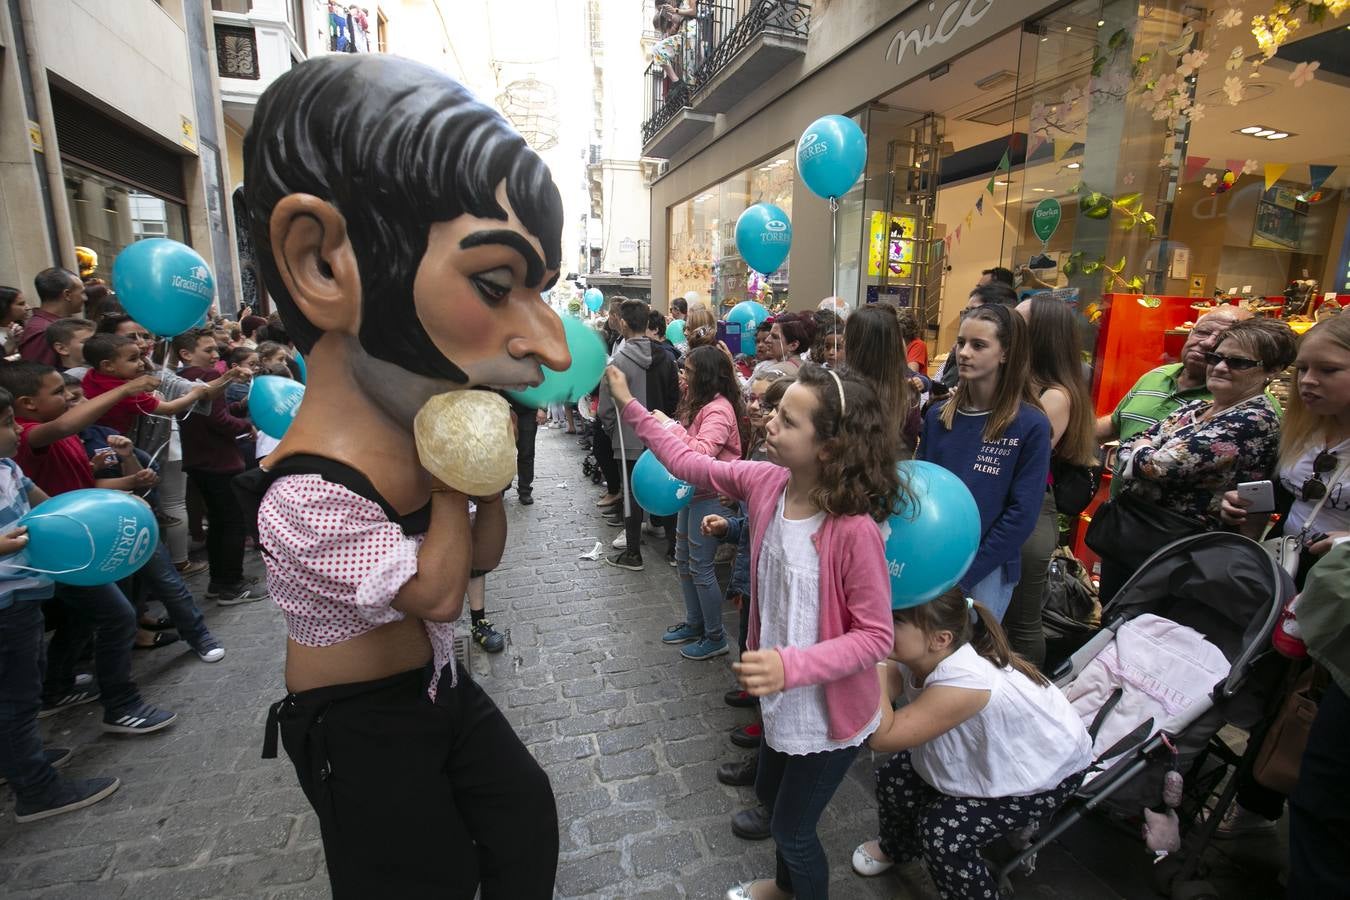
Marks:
<point>834,249</point>
<point>93,550</point>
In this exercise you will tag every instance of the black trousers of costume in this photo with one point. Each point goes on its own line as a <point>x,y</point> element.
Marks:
<point>420,799</point>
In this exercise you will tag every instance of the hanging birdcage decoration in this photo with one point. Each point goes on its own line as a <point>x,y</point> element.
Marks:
<point>531,106</point>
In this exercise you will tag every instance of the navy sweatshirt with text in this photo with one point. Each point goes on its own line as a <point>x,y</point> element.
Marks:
<point>1007,478</point>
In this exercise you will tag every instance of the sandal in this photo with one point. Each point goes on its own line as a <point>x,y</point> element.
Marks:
<point>163,623</point>
<point>162,639</point>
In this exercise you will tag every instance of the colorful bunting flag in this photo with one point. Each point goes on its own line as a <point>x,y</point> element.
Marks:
<point>956,235</point>
<point>1034,143</point>
<point>1194,164</point>
<point>1234,166</point>
<point>979,204</point>
<point>1319,174</point>
<point>969,217</point>
<point>1062,146</point>
<point>990,186</point>
<point>1273,173</point>
<point>1005,163</point>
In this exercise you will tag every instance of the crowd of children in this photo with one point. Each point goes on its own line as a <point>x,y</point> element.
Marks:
<point>91,400</point>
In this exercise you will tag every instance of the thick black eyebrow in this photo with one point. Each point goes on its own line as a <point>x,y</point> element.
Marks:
<point>534,266</point>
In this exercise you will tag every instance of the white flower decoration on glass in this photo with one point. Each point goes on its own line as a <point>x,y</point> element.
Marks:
<point>1231,18</point>
<point>1210,179</point>
<point>1250,166</point>
<point>1234,89</point>
<point>1234,61</point>
<point>1303,73</point>
<point>1128,180</point>
<point>1196,112</point>
<point>1193,60</point>
<point>1165,162</point>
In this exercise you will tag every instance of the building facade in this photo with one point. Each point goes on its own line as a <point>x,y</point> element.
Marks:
<point>110,131</point>
<point>1173,149</point>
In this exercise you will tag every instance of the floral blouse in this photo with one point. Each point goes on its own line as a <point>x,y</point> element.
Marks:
<point>1187,465</point>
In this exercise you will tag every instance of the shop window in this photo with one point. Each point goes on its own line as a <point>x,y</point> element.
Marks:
<point>108,215</point>
<point>703,257</point>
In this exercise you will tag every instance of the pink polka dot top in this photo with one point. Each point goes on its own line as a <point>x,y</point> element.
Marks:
<point>335,563</point>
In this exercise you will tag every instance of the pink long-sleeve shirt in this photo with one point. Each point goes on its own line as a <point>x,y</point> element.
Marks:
<point>856,629</point>
<point>714,432</point>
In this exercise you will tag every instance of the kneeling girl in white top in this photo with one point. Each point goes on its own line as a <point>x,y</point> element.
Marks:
<point>985,746</point>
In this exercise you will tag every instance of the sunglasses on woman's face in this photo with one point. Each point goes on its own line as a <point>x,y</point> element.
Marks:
<point>1235,363</point>
<point>1315,488</point>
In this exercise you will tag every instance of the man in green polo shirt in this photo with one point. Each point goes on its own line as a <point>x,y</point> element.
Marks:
<point>1160,392</point>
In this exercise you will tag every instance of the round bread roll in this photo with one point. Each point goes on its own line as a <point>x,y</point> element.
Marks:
<point>464,438</point>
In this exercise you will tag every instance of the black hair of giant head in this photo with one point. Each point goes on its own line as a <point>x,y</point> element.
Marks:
<point>395,147</point>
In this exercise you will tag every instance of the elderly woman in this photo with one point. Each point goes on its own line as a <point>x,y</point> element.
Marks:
<point>1187,462</point>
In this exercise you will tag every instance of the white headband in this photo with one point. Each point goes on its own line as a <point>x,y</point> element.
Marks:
<point>839,384</point>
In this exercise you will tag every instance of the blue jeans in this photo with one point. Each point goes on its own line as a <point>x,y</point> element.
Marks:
<point>740,569</point>
<point>164,584</point>
<point>105,611</point>
<point>994,592</point>
<point>694,554</point>
<point>795,790</point>
<point>21,757</point>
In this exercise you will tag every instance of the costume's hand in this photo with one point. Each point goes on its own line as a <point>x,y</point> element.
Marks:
<point>713,526</point>
<point>1233,509</point>
<point>13,541</point>
<point>618,385</point>
<point>760,672</point>
<point>121,445</point>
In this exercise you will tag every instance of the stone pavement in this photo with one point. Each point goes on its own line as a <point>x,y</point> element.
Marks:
<point>629,733</point>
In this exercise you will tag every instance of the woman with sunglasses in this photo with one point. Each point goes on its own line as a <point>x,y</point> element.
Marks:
<point>1187,461</point>
<point>1314,447</point>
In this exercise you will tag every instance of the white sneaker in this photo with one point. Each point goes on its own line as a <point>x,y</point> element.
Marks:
<point>867,865</point>
<point>743,891</point>
<point>1239,822</point>
<point>215,654</point>
<point>655,530</point>
<point>620,542</point>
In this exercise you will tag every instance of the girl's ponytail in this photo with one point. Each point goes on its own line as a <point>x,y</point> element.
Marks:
<point>970,623</point>
<point>990,641</point>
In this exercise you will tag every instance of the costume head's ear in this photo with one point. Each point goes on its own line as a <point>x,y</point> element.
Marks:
<point>315,260</point>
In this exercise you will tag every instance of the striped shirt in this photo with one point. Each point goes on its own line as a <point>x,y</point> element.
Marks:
<point>1154,397</point>
<point>16,584</point>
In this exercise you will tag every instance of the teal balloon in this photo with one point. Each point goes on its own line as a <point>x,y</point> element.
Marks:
<point>831,156</point>
<point>272,403</point>
<point>164,285</point>
<point>304,369</point>
<point>675,331</point>
<point>594,299</point>
<point>88,537</point>
<point>933,540</point>
<point>763,237</point>
<point>748,314</point>
<point>578,379</point>
<point>748,345</point>
<point>657,491</point>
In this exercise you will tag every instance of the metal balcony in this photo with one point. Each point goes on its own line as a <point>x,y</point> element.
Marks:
<point>729,50</point>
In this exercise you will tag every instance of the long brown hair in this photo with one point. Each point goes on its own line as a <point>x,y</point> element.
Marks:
<point>1014,387</point>
<point>1300,428</point>
<point>859,445</point>
<point>950,612</point>
<point>712,377</point>
<point>1056,362</point>
<point>875,350</point>
<point>700,327</point>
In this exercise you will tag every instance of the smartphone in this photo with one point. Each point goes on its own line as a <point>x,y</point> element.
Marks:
<point>1259,494</point>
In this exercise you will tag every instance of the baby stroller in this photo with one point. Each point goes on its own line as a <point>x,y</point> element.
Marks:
<point>1172,665</point>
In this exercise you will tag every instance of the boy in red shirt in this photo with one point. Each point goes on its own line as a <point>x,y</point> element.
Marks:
<point>114,360</point>
<point>52,455</point>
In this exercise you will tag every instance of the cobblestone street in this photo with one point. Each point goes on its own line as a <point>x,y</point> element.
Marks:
<point>629,733</point>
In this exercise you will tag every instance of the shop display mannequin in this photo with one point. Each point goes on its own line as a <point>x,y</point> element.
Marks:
<point>405,233</point>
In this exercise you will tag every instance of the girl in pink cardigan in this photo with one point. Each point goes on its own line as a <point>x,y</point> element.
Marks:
<point>820,600</point>
<point>712,413</point>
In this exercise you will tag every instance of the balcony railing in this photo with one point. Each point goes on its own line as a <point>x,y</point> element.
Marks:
<point>707,45</point>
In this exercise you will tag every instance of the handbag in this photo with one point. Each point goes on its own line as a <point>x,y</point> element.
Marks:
<point>1128,529</point>
<point>1074,485</point>
<point>1286,549</point>
<point>1277,762</point>
<point>1071,605</point>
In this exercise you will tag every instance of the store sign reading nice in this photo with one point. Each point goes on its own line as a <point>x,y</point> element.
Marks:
<point>958,14</point>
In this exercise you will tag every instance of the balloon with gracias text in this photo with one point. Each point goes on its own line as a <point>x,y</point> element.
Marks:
<point>578,379</point>
<point>88,537</point>
<point>164,285</point>
<point>930,542</point>
<point>763,237</point>
<point>272,403</point>
<point>594,299</point>
<point>657,491</point>
<point>831,156</point>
